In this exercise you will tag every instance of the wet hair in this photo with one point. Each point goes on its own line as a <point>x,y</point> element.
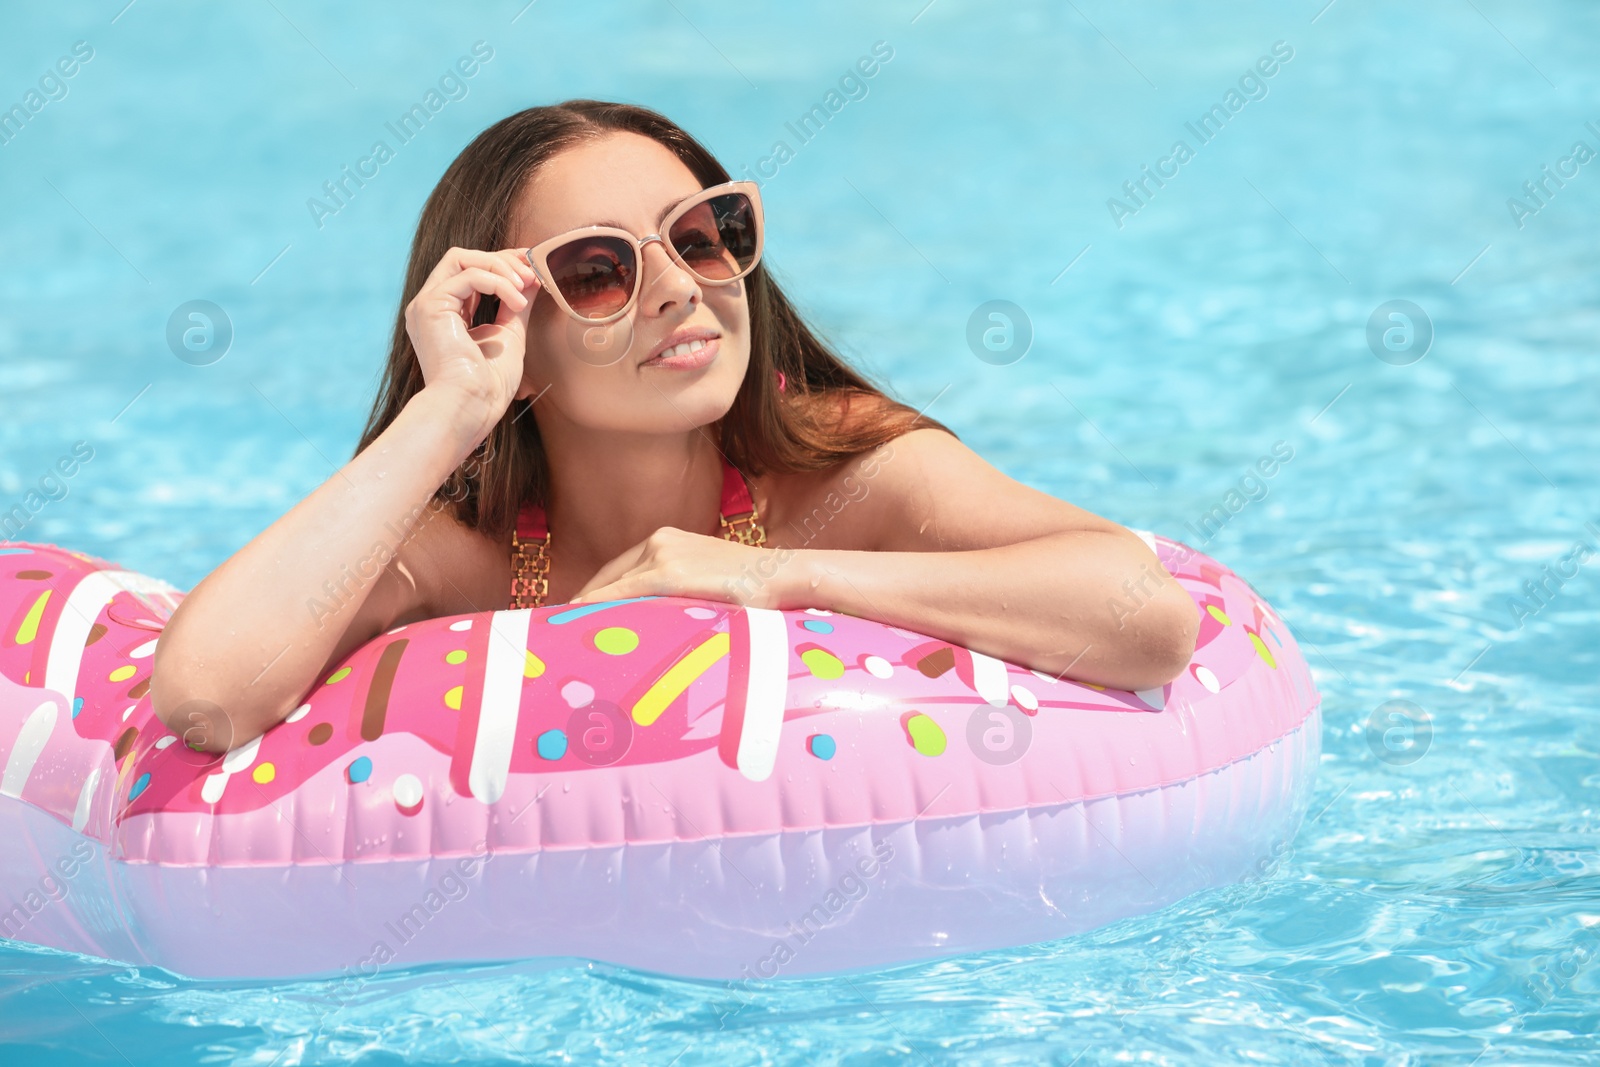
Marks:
<point>826,413</point>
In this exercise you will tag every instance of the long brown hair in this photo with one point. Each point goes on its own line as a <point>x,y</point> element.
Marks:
<point>799,429</point>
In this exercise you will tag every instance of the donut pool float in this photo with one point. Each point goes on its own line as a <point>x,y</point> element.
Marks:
<point>675,785</point>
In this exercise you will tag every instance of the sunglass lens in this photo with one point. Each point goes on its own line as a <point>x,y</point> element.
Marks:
<point>596,275</point>
<point>717,238</point>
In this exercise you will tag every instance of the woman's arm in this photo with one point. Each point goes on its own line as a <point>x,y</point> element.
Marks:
<point>944,544</point>
<point>252,638</point>
<point>246,645</point>
<point>966,554</point>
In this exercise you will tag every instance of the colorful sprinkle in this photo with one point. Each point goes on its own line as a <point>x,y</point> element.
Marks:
<point>616,640</point>
<point>320,733</point>
<point>1261,648</point>
<point>452,698</point>
<point>139,786</point>
<point>338,676</point>
<point>817,626</point>
<point>464,624</point>
<point>1156,698</point>
<point>77,706</point>
<point>375,709</point>
<point>551,745</point>
<point>700,613</point>
<point>1025,699</point>
<point>577,694</point>
<point>679,677</point>
<point>456,655</point>
<point>123,673</point>
<point>264,773</point>
<point>573,614</point>
<point>1204,676</point>
<point>1274,635</point>
<point>407,793</point>
<point>359,770</point>
<point>124,744</point>
<point>143,650</point>
<point>923,733</point>
<point>936,663</point>
<point>30,623</point>
<point>821,746</point>
<point>33,576</point>
<point>1218,614</point>
<point>532,666</point>
<point>822,663</point>
<point>298,713</point>
<point>878,667</point>
<point>163,742</point>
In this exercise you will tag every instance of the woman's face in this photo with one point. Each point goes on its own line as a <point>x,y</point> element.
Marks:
<point>597,376</point>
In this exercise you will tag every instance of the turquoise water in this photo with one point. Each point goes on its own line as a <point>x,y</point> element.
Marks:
<point>1442,902</point>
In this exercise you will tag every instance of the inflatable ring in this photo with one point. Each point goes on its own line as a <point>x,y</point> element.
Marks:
<point>675,785</point>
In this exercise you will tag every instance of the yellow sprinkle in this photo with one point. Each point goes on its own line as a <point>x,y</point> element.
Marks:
<point>123,672</point>
<point>1263,651</point>
<point>264,773</point>
<point>1218,614</point>
<point>452,698</point>
<point>616,640</point>
<point>457,656</point>
<point>926,737</point>
<point>30,625</point>
<point>678,677</point>
<point>822,664</point>
<point>532,666</point>
<point>338,675</point>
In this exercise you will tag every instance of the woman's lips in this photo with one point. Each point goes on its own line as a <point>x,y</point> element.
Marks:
<point>698,358</point>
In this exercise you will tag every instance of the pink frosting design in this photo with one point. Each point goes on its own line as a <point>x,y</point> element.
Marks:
<point>569,727</point>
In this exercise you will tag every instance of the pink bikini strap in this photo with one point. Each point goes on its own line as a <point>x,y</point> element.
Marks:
<point>736,503</point>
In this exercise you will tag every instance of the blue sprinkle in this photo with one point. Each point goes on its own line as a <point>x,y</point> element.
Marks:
<point>822,746</point>
<point>552,745</point>
<point>817,626</point>
<point>139,786</point>
<point>581,610</point>
<point>1274,635</point>
<point>77,706</point>
<point>360,769</point>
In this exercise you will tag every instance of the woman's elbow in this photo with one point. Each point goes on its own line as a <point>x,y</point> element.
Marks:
<point>1167,631</point>
<point>202,723</point>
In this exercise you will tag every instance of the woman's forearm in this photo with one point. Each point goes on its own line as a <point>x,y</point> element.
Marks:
<point>1088,605</point>
<point>251,638</point>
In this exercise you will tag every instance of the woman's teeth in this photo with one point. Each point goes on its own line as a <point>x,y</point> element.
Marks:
<point>683,349</point>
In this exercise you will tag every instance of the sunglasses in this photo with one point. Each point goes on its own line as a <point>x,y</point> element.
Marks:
<point>594,272</point>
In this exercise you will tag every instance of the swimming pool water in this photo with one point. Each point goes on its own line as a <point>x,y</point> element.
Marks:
<point>1441,904</point>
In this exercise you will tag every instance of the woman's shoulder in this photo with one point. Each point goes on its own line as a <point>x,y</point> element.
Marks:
<point>457,569</point>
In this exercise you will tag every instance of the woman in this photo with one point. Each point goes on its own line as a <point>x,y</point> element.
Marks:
<point>588,415</point>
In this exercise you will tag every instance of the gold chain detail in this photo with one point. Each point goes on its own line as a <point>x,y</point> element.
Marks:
<point>745,529</point>
<point>530,572</point>
<point>530,560</point>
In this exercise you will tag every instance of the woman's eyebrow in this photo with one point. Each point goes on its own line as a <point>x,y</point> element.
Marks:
<point>617,225</point>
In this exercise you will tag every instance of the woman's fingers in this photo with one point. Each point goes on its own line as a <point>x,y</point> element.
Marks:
<point>507,262</point>
<point>478,281</point>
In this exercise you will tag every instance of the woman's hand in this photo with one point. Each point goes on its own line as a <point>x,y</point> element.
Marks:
<point>673,562</point>
<point>482,365</point>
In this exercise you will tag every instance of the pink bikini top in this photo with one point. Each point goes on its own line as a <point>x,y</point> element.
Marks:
<point>530,560</point>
